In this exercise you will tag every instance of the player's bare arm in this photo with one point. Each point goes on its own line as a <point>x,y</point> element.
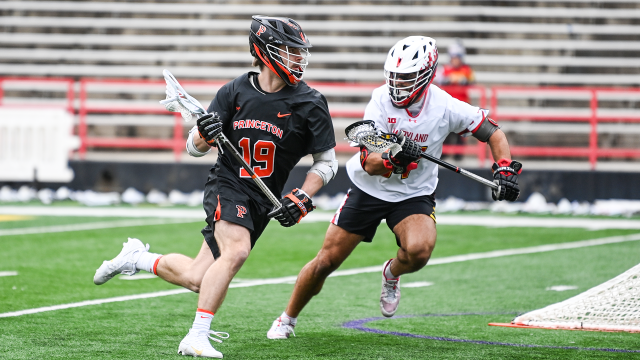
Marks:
<point>499,145</point>
<point>505,170</point>
<point>312,183</point>
<point>298,204</point>
<point>374,165</point>
<point>201,144</point>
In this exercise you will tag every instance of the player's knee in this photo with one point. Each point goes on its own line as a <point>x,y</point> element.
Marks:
<point>419,256</point>
<point>235,257</point>
<point>193,280</point>
<point>240,257</point>
<point>195,287</point>
<point>324,265</point>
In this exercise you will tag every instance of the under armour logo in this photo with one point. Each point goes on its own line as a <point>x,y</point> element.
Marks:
<point>415,121</point>
<point>241,211</point>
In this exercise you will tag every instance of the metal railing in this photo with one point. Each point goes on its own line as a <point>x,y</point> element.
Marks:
<point>90,99</point>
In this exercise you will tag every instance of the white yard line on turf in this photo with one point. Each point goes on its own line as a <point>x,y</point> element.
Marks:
<point>443,219</point>
<point>197,214</point>
<point>91,226</point>
<point>8,273</point>
<point>289,279</point>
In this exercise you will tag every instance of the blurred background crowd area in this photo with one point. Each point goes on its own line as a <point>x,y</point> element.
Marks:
<point>561,77</point>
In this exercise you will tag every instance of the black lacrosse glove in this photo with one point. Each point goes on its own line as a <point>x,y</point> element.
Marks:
<point>403,160</point>
<point>505,175</point>
<point>295,206</point>
<point>210,127</point>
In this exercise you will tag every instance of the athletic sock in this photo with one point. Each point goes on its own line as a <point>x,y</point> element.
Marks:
<point>292,320</point>
<point>148,262</point>
<point>203,320</point>
<point>387,272</point>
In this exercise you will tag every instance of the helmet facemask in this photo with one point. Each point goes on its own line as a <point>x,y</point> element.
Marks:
<point>291,60</point>
<point>409,69</point>
<point>404,88</point>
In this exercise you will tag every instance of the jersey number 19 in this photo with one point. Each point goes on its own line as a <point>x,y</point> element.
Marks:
<point>263,152</point>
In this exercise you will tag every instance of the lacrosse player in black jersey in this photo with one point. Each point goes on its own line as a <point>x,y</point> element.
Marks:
<point>274,119</point>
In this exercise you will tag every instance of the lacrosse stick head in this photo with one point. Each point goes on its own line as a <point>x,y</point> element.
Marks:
<point>178,100</point>
<point>364,133</point>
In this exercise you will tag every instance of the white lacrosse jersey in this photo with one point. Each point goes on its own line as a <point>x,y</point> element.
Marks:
<point>441,114</point>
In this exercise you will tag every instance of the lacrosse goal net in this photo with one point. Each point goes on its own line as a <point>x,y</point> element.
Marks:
<point>611,306</point>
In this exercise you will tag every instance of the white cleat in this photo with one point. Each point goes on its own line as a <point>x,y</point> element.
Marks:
<point>390,296</point>
<point>196,343</point>
<point>124,263</point>
<point>281,329</point>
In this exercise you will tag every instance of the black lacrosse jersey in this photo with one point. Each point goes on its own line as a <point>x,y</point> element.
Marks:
<point>272,131</point>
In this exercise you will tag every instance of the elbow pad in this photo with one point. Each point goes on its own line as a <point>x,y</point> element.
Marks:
<point>325,165</point>
<point>191,146</point>
<point>486,128</point>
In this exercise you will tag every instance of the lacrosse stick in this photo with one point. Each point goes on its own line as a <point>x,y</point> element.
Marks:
<point>179,101</point>
<point>365,134</point>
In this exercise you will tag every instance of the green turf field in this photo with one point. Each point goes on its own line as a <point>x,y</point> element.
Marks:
<point>57,268</point>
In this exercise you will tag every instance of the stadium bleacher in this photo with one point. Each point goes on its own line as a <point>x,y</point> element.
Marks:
<point>513,42</point>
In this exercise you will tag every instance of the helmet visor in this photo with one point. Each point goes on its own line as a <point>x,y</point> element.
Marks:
<point>294,60</point>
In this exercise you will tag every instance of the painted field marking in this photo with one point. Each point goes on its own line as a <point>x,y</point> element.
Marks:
<point>359,325</point>
<point>443,219</point>
<point>14,217</point>
<point>196,214</point>
<point>94,302</point>
<point>138,276</point>
<point>289,279</point>
<point>91,226</point>
<point>561,288</point>
<point>507,252</point>
<point>8,273</point>
<point>416,284</point>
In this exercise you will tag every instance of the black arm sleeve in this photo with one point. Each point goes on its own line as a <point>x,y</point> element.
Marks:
<point>486,128</point>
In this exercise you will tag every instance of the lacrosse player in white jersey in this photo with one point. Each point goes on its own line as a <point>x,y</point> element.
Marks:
<point>398,187</point>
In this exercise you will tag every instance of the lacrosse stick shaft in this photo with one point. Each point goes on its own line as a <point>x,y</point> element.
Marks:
<point>461,171</point>
<point>225,142</point>
<point>175,92</point>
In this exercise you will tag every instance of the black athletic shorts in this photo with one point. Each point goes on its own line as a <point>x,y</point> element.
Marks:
<point>361,213</point>
<point>223,201</point>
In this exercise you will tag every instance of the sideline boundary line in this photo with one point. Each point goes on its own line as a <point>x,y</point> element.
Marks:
<point>91,226</point>
<point>289,279</point>
<point>492,220</point>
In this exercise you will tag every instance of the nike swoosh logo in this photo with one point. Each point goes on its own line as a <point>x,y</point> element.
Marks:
<point>198,352</point>
<point>283,115</point>
<point>204,317</point>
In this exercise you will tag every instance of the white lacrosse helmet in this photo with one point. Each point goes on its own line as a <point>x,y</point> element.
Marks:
<point>456,49</point>
<point>409,69</point>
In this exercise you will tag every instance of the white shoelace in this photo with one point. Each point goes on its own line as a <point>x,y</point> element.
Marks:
<point>220,334</point>
<point>284,328</point>
<point>391,290</point>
